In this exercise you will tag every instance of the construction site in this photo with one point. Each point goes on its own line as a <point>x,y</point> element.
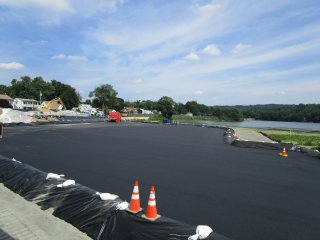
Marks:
<point>131,180</point>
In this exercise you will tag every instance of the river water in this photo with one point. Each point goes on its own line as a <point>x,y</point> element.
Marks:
<point>267,124</point>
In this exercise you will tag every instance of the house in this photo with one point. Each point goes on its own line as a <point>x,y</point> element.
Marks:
<point>5,101</point>
<point>129,110</point>
<point>87,108</point>
<point>146,112</point>
<point>25,104</point>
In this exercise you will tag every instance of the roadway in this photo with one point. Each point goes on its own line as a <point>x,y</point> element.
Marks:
<point>199,179</point>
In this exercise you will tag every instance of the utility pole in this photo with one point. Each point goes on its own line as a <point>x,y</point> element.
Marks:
<point>40,96</point>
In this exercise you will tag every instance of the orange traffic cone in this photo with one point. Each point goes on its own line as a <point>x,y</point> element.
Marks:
<point>283,153</point>
<point>151,212</point>
<point>134,206</point>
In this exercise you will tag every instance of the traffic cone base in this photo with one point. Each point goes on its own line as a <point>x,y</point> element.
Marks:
<point>283,153</point>
<point>136,211</point>
<point>151,213</point>
<point>151,219</point>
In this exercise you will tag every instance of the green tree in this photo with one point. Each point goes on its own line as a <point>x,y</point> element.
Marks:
<point>116,103</point>
<point>104,97</point>
<point>21,89</point>
<point>204,109</point>
<point>281,112</point>
<point>87,101</point>
<point>97,104</point>
<point>150,105</point>
<point>31,88</point>
<point>180,108</point>
<point>234,114</point>
<point>165,106</point>
<point>193,107</point>
<point>68,94</point>
<point>128,104</point>
<point>4,89</point>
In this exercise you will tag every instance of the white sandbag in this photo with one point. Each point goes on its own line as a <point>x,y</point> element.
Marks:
<point>67,183</point>
<point>202,232</point>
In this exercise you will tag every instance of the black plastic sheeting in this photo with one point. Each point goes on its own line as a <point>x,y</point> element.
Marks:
<point>83,208</point>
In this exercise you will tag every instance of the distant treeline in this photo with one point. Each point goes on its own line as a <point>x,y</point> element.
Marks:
<point>37,88</point>
<point>105,97</point>
<point>168,107</point>
<point>281,112</point>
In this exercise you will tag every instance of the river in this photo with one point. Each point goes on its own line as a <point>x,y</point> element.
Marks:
<point>267,124</point>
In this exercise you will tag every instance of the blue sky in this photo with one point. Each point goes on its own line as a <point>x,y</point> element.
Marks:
<point>215,52</point>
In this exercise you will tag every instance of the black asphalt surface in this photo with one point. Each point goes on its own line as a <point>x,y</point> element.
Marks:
<point>249,194</point>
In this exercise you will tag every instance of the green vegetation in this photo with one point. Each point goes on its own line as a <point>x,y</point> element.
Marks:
<point>200,118</point>
<point>304,139</point>
<point>155,118</point>
<point>105,98</point>
<point>165,105</point>
<point>172,110</point>
<point>37,88</point>
<point>281,112</point>
<point>159,118</point>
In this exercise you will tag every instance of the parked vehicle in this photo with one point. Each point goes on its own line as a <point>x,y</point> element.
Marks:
<point>114,116</point>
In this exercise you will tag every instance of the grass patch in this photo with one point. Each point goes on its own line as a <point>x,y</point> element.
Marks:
<point>155,119</point>
<point>304,139</point>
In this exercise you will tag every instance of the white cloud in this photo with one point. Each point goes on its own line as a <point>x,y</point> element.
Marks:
<point>69,57</point>
<point>157,36</point>
<point>198,92</point>
<point>226,63</point>
<point>208,8</point>
<point>280,93</point>
<point>89,8</point>
<point>11,66</point>
<point>60,56</point>
<point>212,49</point>
<point>192,56</point>
<point>138,80</point>
<point>147,47</point>
<point>56,5</point>
<point>241,47</point>
<point>34,43</point>
<point>76,58</point>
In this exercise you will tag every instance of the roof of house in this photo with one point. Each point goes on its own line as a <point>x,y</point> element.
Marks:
<point>5,97</point>
<point>25,99</point>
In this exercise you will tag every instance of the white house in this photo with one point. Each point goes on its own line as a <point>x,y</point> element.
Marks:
<point>146,112</point>
<point>87,108</point>
<point>25,104</point>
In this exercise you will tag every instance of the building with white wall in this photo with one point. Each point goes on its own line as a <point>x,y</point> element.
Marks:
<point>25,104</point>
